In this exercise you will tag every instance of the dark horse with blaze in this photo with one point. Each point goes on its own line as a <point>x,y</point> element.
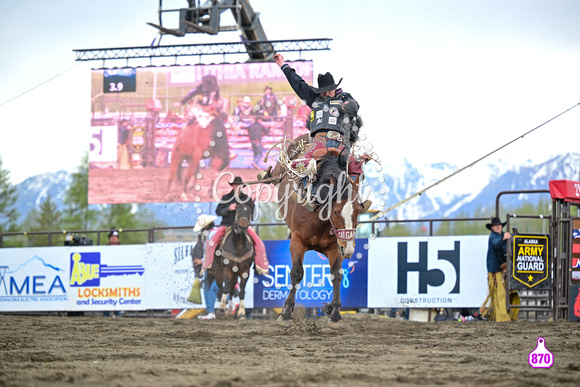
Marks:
<point>330,229</point>
<point>203,137</point>
<point>233,260</point>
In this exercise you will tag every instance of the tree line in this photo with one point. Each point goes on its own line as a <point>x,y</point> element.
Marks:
<point>77,214</point>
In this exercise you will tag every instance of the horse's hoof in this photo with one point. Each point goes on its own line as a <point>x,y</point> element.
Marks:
<point>284,323</point>
<point>220,313</point>
<point>241,318</point>
<point>335,324</point>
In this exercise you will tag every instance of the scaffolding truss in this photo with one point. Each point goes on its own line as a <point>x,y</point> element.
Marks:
<point>232,48</point>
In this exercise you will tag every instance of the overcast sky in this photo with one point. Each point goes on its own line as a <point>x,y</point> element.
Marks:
<point>437,81</point>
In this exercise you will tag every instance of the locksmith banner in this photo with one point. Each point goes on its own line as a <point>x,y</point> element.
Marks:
<point>107,278</point>
<point>530,265</point>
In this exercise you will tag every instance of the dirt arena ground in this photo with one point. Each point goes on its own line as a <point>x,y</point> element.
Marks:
<point>369,351</point>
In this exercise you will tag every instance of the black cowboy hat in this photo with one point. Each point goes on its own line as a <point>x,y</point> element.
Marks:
<point>494,222</point>
<point>237,180</point>
<point>326,83</point>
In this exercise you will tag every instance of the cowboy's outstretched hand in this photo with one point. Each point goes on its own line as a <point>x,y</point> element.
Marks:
<point>279,59</point>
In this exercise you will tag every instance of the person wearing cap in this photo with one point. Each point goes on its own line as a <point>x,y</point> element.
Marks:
<point>114,238</point>
<point>123,142</point>
<point>204,102</point>
<point>269,103</point>
<point>227,210</point>
<point>243,111</point>
<point>495,307</point>
<point>205,226</point>
<point>256,132</point>
<point>113,241</point>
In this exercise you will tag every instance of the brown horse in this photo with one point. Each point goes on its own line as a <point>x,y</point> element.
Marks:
<point>330,229</point>
<point>203,137</point>
<point>232,262</point>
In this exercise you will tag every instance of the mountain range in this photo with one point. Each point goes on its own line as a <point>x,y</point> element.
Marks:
<point>470,193</point>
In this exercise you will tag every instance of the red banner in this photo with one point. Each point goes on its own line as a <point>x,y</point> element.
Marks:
<point>567,190</point>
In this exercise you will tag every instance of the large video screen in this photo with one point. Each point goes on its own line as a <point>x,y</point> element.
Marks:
<point>180,133</point>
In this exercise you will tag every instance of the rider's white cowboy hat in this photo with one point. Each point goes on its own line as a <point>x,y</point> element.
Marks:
<point>202,221</point>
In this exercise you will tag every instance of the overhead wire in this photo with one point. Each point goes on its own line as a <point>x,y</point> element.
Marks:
<point>40,84</point>
<point>382,212</point>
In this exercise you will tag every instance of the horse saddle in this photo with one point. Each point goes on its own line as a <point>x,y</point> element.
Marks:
<point>231,256</point>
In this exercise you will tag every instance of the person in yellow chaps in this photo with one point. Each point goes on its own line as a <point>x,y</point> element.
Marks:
<point>495,306</point>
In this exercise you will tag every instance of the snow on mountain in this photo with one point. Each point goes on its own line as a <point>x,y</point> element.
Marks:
<point>470,190</point>
<point>473,188</point>
<point>34,190</point>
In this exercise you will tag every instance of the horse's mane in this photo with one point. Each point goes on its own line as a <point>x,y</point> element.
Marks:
<point>330,167</point>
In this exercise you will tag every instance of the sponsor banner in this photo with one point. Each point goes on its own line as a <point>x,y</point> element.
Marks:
<point>33,279</point>
<point>171,284</point>
<point>426,272</point>
<point>107,278</point>
<point>530,262</point>
<point>316,287</point>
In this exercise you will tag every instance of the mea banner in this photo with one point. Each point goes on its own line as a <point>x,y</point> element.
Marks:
<point>79,278</point>
<point>425,272</point>
<point>316,287</point>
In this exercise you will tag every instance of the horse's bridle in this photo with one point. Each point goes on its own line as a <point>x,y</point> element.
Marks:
<point>344,234</point>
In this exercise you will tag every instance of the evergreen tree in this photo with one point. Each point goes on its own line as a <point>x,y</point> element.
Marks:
<point>77,212</point>
<point>8,196</point>
<point>128,216</point>
<point>49,217</point>
<point>46,218</point>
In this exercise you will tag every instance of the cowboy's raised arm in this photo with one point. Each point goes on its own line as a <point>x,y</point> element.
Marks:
<point>299,85</point>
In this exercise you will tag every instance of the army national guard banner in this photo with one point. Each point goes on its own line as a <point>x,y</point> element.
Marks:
<point>530,262</point>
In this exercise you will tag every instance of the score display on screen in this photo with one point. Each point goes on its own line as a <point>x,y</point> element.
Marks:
<point>119,80</point>
<point>147,123</point>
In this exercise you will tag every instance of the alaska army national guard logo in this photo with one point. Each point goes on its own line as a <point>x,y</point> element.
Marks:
<point>530,262</point>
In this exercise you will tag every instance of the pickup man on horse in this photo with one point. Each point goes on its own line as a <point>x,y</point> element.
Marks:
<point>227,210</point>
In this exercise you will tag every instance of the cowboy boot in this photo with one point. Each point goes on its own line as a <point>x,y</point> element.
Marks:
<point>267,174</point>
<point>365,206</point>
<point>303,202</point>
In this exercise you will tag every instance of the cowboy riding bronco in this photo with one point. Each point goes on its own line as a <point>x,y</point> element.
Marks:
<point>334,125</point>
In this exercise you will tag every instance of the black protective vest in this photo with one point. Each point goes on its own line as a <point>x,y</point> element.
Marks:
<point>326,115</point>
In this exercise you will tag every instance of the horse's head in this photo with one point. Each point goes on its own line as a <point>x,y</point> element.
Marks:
<point>342,205</point>
<point>344,219</point>
<point>244,214</point>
